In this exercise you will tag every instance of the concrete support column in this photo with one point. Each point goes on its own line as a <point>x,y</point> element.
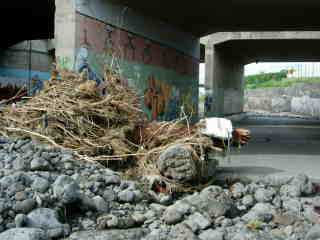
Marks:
<point>65,33</point>
<point>224,83</point>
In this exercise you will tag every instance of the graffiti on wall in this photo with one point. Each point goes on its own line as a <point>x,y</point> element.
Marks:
<point>165,78</point>
<point>64,62</point>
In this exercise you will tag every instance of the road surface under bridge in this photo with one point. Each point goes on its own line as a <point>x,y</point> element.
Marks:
<point>279,145</point>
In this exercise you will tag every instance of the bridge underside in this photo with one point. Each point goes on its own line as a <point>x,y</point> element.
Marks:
<point>207,16</point>
<point>225,67</point>
<point>26,20</point>
<point>34,19</point>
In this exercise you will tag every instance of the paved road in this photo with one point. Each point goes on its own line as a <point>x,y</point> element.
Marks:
<point>277,148</point>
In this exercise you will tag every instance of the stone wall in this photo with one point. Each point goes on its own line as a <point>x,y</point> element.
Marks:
<point>303,99</point>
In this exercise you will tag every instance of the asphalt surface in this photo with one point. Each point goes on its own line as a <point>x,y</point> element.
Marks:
<point>279,145</point>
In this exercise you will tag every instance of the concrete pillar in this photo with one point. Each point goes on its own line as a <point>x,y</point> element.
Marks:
<point>224,83</point>
<point>65,33</point>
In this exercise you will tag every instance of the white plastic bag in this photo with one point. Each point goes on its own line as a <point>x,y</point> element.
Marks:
<point>217,127</point>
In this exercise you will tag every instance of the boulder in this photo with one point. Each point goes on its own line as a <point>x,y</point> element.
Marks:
<point>43,218</point>
<point>177,163</point>
<point>23,234</point>
<point>66,189</point>
<point>314,233</point>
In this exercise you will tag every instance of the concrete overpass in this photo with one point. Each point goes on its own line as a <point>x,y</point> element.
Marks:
<point>34,19</point>
<point>26,20</point>
<point>161,39</point>
<point>228,53</point>
<point>207,16</point>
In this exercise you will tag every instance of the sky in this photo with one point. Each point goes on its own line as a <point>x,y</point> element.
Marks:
<point>302,69</point>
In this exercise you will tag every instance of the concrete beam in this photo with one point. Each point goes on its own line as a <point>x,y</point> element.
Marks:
<point>227,53</point>
<point>65,33</point>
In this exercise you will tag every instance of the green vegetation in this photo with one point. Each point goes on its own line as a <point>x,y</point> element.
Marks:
<point>279,79</point>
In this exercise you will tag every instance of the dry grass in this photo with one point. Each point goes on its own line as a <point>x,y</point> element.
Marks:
<point>72,113</point>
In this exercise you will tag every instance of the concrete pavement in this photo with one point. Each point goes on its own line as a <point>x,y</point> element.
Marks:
<point>276,149</point>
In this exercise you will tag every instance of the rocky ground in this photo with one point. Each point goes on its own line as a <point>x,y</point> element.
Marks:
<point>46,194</point>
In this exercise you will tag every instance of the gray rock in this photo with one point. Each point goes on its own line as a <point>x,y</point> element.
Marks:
<point>6,181</point>
<point>212,201</point>
<point>285,219</point>
<point>264,195</point>
<point>112,221</point>
<point>66,189</point>
<point>238,190</point>
<point>293,206</point>
<point>20,220</point>
<point>261,211</point>
<point>211,234</point>
<point>112,180</point>
<point>247,201</point>
<point>176,213</point>
<point>126,196</point>
<point>39,164</point>
<point>25,206</point>
<point>40,185</point>
<point>109,195</point>
<point>197,222</point>
<point>128,234</point>
<point>158,234</point>
<point>304,183</point>
<point>14,188</point>
<point>100,205</point>
<point>138,218</point>
<point>314,233</point>
<point>290,191</point>
<point>21,164</point>
<point>23,234</point>
<point>20,196</point>
<point>3,205</point>
<point>43,218</point>
<point>181,232</point>
<point>276,180</point>
<point>88,224</point>
<point>177,163</point>
<point>55,233</point>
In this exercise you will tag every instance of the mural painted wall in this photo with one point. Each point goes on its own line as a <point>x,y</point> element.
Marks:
<point>165,78</point>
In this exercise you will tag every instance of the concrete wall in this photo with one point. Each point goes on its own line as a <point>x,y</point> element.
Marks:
<point>15,62</point>
<point>224,83</point>
<point>228,52</point>
<point>303,99</point>
<point>16,68</point>
<point>65,33</point>
<point>160,62</point>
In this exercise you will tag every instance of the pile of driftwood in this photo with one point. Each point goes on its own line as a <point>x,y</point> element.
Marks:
<point>99,122</point>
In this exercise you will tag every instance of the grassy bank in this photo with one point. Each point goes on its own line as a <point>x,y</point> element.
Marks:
<point>272,80</point>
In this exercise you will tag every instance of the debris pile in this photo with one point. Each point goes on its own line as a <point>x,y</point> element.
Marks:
<point>71,113</point>
<point>100,123</point>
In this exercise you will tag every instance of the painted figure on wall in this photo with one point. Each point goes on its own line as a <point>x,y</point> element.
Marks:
<point>154,98</point>
<point>83,54</point>
<point>82,60</point>
<point>36,85</point>
<point>147,53</point>
<point>109,44</point>
<point>130,48</point>
<point>173,107</point>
